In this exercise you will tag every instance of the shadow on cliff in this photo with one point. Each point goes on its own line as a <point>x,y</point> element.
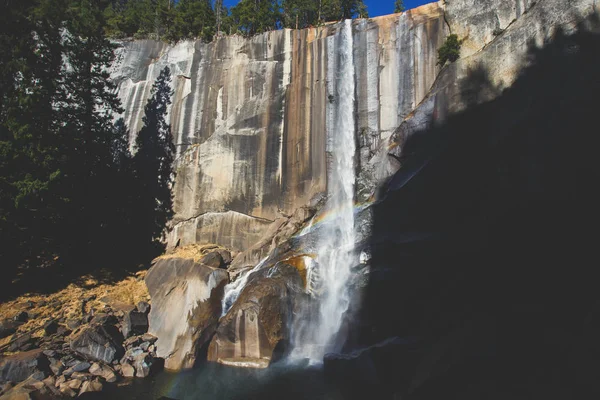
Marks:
<point>488,254</point>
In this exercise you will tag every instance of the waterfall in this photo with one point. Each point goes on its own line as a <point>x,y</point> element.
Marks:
<point>316,335</point>
<point>232,290</point>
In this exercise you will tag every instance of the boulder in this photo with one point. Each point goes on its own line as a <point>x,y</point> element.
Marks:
<point>99,343</point>
<point>90,386</point>
<point>32,389</point>
<point>142,364</point>
<point>186,305</point>
<point>213,259</point>
<point>50,327</point>
<point>18,367</point>
<point>8,327</point>
<point>258,321</point>
<point>127,370</point>
<point>21,317</point>
<point>103,371</point>
<point>21,343</point>
<point>134,323</point>
<point>226,256</point>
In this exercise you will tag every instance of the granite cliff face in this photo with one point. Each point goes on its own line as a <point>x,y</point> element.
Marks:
<point>254,119</point>
<point>251,117</point>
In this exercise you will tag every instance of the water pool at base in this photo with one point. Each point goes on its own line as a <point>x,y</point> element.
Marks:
<point>217,382</point>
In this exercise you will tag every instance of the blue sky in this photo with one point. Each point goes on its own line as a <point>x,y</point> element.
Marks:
<point>376,7</point>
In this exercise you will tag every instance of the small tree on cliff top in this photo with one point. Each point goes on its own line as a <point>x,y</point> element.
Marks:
<point>399,6</point>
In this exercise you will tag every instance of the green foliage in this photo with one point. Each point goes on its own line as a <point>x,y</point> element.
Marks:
<point>189,19</point>
<point>299,13</point>
<point>67,182</point>
<point>250,17</point>
<point>399,6</point>
<point>194,19</point>
<point>450,50</point>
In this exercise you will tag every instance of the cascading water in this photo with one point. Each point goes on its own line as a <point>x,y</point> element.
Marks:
<point>314,336</point>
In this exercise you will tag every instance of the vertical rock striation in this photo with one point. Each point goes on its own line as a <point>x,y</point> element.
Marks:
<point>251,116</point>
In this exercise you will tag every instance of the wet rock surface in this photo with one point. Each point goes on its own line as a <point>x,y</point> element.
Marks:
<point>256,328</point>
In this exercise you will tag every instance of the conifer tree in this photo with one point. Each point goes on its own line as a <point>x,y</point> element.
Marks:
<point>399,6</point>
<point>153,164</point>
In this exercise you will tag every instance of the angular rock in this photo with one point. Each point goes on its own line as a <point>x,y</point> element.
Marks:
<point>142,364</point>
<point>21,343</point>
<point>99,343</point>
<point>186,305</point>
<point>74,384</point>
<point>143,307</point>
<point>81,367</point>
<point>63,331</point>
<point>57,367</point>
<point>8,327</point>
<point>50,327</point>
<point>90,386</point>
<point>226,256</point>
<point>212,259</point>
<point>60,380</point>
<point>258,321</point>
<point>132,341</point>
<point>21,317</point>
<point>31,389</point>
<point>18,367</point>
<point>103,371</point>
<point>83,376</point>
<point>127,370</point>
<point>67,391</point>
<point>147,337</point>
<point>134,323</point>
<point>73,323</point>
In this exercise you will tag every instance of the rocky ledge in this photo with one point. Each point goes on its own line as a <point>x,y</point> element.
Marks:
<point>90,335</point>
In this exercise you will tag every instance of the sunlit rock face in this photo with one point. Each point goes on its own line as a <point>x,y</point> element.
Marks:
<point>250,117</point>
<point>186,304</point>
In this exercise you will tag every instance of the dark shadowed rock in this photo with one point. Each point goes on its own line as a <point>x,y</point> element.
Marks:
<point>8,327</point>
<point>21,317</point>
<point>258,321</point>
<point>50,327</point>
<point>186,305</point>
<point>134,323</point>
<point>226,256</point>
<point>21,343</point>
<point>18,367</point>
<point>99,343</point>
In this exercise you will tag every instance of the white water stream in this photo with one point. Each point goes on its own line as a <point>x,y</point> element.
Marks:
<point>335,257</point>
<point>316,333</point>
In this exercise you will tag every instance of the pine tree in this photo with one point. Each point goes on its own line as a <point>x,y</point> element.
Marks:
<point>30,148</point>
<point>399,6</point>
<point>299,14</point>
<point>88,129</point>
<point>153,165</point>
<point>256,16</point>
<point>195,19</point>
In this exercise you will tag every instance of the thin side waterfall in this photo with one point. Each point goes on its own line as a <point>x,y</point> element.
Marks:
<point>317,335</point>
